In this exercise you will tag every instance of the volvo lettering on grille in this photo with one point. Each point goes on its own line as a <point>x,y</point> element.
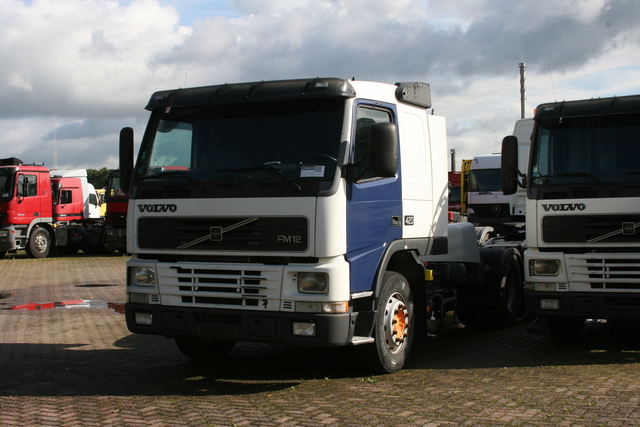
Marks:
<point>158,208</point>
<point>564,207</point>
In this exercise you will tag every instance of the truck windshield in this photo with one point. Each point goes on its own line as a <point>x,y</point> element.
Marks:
<point>6,183</point>
<point>598,153</point>
<point>285,141</point>
<point>485,180</point>
<point>113,187</point>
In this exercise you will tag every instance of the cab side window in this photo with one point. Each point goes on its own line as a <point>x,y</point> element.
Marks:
<point>366,116</point>
<point>65,197</point>
<point>27,186</point>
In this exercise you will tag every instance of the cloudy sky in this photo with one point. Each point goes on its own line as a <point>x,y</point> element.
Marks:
<point>74,72</point>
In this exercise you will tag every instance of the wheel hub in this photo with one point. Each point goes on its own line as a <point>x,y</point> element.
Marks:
<point>396,323</point>
<point>40,243</point>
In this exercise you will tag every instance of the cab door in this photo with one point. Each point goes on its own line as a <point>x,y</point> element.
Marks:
<point>374,204</point>
<point>29,201</point>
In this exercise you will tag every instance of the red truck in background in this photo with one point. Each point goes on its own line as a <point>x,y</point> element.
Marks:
<point>117,203</point>
<point>45,212</point>
<point>455,195</point>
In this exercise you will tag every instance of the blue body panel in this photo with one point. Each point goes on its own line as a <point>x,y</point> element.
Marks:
<point>371,209</point>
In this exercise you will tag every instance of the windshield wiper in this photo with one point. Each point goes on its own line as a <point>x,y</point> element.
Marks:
<point>166,173</point>
<point>264,168</point>
<point>183,173</point>
<point>580,174</point>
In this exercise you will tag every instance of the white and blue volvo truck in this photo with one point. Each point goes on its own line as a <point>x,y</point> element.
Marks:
<point>304,212</point>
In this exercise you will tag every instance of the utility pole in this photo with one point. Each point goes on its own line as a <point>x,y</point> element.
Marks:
<point>523,89</point>
<point>453,160</point>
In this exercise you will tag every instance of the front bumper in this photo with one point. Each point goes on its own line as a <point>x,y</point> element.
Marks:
<point>242,325</point>
<point>589,305</point>
<point>8,239</point>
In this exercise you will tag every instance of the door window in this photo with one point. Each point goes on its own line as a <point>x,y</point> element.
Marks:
<point>366,117</point>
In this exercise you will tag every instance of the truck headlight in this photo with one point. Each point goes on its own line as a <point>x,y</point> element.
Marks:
<point>144,276</point>
<point>321,307</point>
<point>143,319</point>
<point>540,286</point>
<point>4,233</point>
<point>313,283</point>
<point>305,329</point>
<point>549,304</point>
<point>139,298</point>
<point>544,267</point>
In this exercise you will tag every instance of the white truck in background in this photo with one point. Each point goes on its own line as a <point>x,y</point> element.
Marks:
<point>583,211</point>
<point>307,212</point>
<point>487,205</point>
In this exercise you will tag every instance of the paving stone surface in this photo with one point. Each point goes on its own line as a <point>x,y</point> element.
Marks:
<point>79,366</point>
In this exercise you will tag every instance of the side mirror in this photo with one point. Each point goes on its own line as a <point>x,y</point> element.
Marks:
<point>383,145</point>
<point>126,159</point>
<point>509,164</point>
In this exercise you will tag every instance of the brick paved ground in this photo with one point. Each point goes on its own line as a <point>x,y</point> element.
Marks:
<point>80,366</point>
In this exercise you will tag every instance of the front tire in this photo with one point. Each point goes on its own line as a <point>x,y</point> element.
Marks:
<point>393,329</point>
<point>39,243</point>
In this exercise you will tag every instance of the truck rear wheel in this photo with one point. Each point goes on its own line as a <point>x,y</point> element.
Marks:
<point>39,243</point>
<point>393,332</point>
<point>201,349</point>
<point>502,303</point>
<point>511,292</point>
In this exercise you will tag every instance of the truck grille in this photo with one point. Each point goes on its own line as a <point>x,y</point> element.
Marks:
<point>613,272</point>
<point>222,286</point>
<point>491,209</point>
<point>248,234</point>
<point>591,229</point>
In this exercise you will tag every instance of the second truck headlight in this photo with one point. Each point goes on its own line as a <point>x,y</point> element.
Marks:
<point>313,283</point>
<point>144,276</point>
<point>544,267</point>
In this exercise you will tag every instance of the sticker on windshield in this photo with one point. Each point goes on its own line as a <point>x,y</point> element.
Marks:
<point>311,171</point>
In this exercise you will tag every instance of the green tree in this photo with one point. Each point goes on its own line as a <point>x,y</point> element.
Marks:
<point>98,177</point>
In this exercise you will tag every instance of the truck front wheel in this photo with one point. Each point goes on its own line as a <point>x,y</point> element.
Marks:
<point>203,350</point>
<point>393,332</point>
<point>39,243</point>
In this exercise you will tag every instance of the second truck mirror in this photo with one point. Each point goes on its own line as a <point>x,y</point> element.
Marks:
<point>126,159</point>
<point>509,164</point>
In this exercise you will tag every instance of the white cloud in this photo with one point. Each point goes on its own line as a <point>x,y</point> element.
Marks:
<point>91,65</point>
<point>90,57</point>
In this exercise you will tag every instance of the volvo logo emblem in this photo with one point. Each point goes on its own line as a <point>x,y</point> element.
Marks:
<point>629,228</point>
<point>496,209</point>
<point>565,207</point>
<point>158,208</point>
